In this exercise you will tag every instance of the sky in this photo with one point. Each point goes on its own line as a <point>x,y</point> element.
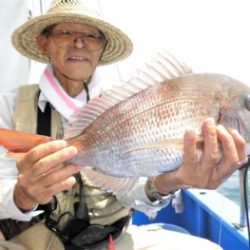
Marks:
<point>209,35</point>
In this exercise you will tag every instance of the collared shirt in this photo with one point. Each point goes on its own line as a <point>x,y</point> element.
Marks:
<point>136,198</point>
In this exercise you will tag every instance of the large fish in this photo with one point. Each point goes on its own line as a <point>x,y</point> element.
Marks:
<point>137,129</point>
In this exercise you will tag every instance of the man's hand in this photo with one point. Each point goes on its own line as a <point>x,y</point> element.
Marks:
<point>224,152</point>
<point>44,173</point>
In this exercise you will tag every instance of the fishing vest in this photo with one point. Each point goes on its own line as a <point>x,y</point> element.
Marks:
<point>103,208</point>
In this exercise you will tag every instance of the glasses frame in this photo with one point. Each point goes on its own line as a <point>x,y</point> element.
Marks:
<point>100,38</point>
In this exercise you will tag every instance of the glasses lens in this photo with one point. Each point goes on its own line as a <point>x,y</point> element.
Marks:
<point>92,41</point>
<point>64,39</point>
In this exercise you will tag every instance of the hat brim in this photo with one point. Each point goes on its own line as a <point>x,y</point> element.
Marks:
<point>118,47</point>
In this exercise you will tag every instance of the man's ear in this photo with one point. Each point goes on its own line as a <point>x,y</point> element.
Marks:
<point>42,42</point>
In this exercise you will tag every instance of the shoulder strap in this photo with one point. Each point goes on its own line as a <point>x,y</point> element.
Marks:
<point>44,121</point>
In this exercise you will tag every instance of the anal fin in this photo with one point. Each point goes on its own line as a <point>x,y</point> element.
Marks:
<point>106,182</point>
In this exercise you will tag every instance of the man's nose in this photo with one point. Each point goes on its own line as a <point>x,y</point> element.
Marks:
<point>79,41</point>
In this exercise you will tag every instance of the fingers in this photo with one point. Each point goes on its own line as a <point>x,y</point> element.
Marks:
<point>45,157</point>
<point>41,151</point>
<point>228,147</point>
<point>58,176</point>
<point>211,146</point>
<point>43,173</point>
<point>56,188</point>
<point>28,196</point>
<point>240,144</point>
<point>195,172</point>
<point>190,151</point>
<point>47,164</point>
<point>233,150</point>
<point>43,189</point>
<point>223,151</point>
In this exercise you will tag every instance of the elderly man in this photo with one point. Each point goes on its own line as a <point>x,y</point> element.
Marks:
<point>47,206</point>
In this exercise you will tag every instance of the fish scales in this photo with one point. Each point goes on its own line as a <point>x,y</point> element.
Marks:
<point>159,113</point>
<point>137,129</point>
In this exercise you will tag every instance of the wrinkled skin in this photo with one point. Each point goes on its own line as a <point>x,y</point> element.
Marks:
<point>40,170</point>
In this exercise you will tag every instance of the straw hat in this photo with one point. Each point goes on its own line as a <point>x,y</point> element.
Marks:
<point>119,46</point>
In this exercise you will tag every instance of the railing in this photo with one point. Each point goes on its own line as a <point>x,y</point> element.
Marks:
<point>243,195</point>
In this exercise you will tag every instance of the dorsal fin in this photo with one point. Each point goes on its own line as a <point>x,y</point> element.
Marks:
<point>161,68</point>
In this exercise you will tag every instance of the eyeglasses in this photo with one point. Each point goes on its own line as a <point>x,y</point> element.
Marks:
<point>64,38</point>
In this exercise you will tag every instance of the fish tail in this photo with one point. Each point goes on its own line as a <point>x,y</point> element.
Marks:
<point>17,141</point>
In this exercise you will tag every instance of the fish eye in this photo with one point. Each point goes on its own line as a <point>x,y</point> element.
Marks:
<point>247,102</point>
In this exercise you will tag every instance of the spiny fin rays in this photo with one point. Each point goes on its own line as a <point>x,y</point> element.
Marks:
<point>164,67</point>
<point>179,67</point>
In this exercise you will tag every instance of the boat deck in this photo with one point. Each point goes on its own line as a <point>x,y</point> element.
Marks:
<point>207,214</point>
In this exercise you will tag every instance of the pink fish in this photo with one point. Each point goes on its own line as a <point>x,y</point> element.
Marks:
<point>137,129</point>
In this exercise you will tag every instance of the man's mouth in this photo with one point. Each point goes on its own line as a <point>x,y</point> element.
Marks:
<point>78,58</point>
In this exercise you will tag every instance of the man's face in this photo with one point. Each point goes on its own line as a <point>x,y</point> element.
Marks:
<point>74,59</point>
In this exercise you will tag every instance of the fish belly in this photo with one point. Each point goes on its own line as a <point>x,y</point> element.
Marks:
<point>143,136</point>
